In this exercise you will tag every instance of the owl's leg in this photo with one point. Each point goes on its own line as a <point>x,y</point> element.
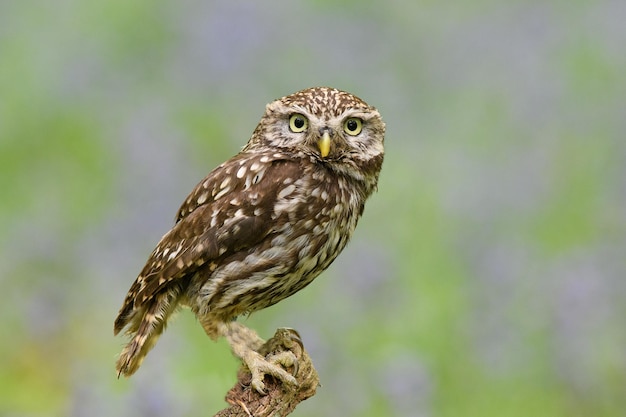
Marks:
<point>245,344</point>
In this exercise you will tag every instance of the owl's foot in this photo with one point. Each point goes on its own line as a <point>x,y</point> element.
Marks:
<point>273,365</point>
<point>263,360</point>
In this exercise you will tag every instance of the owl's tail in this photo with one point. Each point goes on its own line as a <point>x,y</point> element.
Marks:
<point>146,325</point>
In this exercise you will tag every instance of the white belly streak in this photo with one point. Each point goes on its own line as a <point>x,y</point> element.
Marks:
<point>236,288</point>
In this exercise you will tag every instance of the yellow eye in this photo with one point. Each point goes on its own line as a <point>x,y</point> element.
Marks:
<point>298,123</point>
<point>353,126</point>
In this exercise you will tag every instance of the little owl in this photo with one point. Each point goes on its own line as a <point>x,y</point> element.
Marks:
<point>261,226</point>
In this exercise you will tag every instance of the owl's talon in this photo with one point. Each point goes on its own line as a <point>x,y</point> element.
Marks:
<point>285,358</point>
<point>259,367</point>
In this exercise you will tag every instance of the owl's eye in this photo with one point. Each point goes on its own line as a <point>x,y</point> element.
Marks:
<point>353,126</point>
<point>298,123</point>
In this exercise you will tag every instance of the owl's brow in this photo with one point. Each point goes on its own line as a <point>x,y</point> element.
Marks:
<point>299,109</point>
<point>360,110</point>
<point>363,113</point>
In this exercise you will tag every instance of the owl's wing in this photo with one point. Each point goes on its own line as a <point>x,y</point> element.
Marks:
<point>229,211</point>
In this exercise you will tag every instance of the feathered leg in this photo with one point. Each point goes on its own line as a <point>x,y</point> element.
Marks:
<point>245,343</point>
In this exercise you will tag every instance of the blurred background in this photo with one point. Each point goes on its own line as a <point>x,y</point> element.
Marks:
<point>486,278</point>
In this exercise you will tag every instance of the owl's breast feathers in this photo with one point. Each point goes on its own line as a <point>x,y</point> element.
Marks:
<point>257,217</point>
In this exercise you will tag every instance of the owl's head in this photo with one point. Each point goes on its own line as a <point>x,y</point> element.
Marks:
<point>328,125</point>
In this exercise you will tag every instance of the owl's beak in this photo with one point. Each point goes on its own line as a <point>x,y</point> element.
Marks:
<point>324,144</point>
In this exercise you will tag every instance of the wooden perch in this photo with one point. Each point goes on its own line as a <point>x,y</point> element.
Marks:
<point>280,400</point>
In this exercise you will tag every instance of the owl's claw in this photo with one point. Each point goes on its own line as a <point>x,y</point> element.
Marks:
<point>259,367</point>
<point>286,359</point>
<point>261,358</point>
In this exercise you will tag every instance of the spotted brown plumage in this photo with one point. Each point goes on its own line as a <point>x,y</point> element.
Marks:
<point>261,226</point>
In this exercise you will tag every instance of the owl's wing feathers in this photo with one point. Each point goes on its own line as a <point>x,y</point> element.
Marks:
<point>228,211</point>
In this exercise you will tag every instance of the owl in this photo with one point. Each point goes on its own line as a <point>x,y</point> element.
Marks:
<point>261,226</point>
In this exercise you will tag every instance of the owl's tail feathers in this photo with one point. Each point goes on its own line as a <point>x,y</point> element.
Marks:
<point>145,327</point>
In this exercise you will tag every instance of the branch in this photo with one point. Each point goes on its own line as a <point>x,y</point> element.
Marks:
<point>280,400</point>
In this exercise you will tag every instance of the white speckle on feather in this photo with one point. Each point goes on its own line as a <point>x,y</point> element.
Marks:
<point>222,193</point>
<point>286,191</point>
<point>202,198</point>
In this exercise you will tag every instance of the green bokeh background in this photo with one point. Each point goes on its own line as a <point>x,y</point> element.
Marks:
<point>487,277</point>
